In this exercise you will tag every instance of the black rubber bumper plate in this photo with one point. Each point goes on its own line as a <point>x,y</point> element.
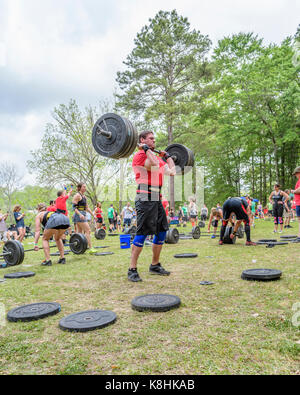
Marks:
<point>32,312</point>
<point>261,274</point>
<point>272,243</point>
<point>86,321</point>
<point>100,247</point>
<point>19,275</point>
<point>185,256</point>
<point>289,237</point>
<point>58,254</point>
<point>156,302</point>
<point>103,253</point>
<point>267,241</point>
<point>206,283</point>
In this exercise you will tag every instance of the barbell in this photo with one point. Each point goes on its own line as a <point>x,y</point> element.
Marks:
<point>13,250</point>
<point>116,137</point>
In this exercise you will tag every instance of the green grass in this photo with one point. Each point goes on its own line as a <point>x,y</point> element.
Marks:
<point>232,327</point>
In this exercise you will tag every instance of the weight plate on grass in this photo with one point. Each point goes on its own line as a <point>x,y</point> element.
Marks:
<point>272,243</point>
<point>201,224</point>
<point>156,302</point>
<point>78,243</point>
<point>295,240</point>
<point>196,232</point>
<point>261,274</point>
<point>32,312</point>
<point>85,321</point>
<point>240,232</point>
<point>100,234</point>
<point>185,256</point>
<point>19,275</point>
<point>288,237</point>
<point>267,241</point>
<point>113,235</point>
<point>206,283</point>
<point>103,253</point>
<point>101,247</point>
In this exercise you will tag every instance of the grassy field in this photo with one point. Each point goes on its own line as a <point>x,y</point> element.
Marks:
<point>231,327</point>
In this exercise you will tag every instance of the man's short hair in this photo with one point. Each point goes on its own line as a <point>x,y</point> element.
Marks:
<point>143,135</point>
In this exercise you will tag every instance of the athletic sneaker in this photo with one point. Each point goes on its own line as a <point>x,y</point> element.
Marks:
<point>250,243</point>
<point>92,251</point>
<point>213,236</point>
<point>62,261</point>
<point>158,269</point>
<point>133,276</point>
<point>221,243</point>
<point>46,263</point>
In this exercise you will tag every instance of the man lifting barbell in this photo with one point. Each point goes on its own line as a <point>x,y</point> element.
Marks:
<point>241,209</point>
<point>149,172</point>
<point>54,224</point>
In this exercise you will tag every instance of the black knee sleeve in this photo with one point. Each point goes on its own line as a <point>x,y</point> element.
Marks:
<point>247,231</point>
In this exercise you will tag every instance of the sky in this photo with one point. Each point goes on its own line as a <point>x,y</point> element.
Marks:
<point>55,50</point>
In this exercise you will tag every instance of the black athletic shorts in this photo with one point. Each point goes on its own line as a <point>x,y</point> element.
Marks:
<point>278,211</point>
<point>151,217</point>
<point>235,206</point>
<point>111,221</point>
<point>215,223</point>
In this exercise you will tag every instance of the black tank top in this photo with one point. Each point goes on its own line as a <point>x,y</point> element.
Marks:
<point>277,198</point>
<point>81,205</point>
<point>46,217</point>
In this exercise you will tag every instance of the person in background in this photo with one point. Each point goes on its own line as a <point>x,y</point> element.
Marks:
<point>287,212</point>
<point>204,213</point>
<point>111,216</point>
<point>3,227</point>
<point>253,210</point>
<point>185,214</point>
<point>215,216</point>
<point>180,215</point>
<point>116,214</point>
<point>193,212</point>
<point>19,218</point>
<point>98,214</point>
<point>296,192</point>
<point>52,206</point>
<point>127,214</point>
<point>280,199</point>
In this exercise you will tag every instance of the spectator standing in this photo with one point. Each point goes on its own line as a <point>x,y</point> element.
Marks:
<point>127,214</point>
<point>204,213</point>
<point>3,227</point>
<point>296,192</point>
<point>111,216</point>
<point>19,218</point>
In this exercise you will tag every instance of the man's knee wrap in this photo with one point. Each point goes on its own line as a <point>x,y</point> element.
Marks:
<point>160,239</point>
<point>139,241</point>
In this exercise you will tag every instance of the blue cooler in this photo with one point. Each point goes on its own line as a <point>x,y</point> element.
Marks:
<point>125,241</point>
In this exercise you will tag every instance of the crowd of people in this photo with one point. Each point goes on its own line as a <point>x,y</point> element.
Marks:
<point>151,213</point>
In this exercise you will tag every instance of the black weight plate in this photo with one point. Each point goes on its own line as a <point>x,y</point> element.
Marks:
<point>267,241</point>
<point>100,234</point>
<point>240,232</point>
<point>15,257</point>
<point>227,239</point>
<point>296,240</point>
<point>272,243</point>
<point>172,236</point>
<point>156,303</point>
<point>21,248</point>
<point>127,143</point>
<point>32,312</point>
<point>19,275</point>
<point>186,256</point>
<point>182,156</point>
<point>135,139</point>
<point>103,253</point>
<point>261,274</point>
<point>101,247</point>
<point>130,133</point>
<point>206,283</point>
<point>110,147</point>
<point>113,235</point>
<point>288,237</point>
<point>78,243</point>
<point>196,232</point>
<point>201,224</point>
<point>85,321</point>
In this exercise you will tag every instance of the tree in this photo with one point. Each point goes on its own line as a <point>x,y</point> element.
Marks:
<point>67,155</point>
<point>10,182</point>
<point>167,63</point>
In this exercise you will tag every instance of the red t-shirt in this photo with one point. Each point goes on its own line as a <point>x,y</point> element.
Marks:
<point>51,208</point>
<point>297,197</point>
<point>98,212</point>
<point>144,176</point>
<point>61,203</point>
